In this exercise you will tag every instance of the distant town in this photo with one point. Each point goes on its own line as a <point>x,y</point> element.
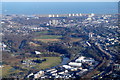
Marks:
<point>60,46</point>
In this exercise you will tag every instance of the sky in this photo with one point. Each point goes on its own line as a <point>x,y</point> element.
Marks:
<point>59,0</point>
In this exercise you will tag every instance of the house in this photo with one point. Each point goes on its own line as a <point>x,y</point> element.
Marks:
<point>75,64</point>
<point>37,52</point>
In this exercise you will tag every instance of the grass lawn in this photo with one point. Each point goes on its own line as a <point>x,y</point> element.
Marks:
<point>42,32</point>
<point>47,40</point>
<point>49,37</point>
<point>5,70</point>
<point>33,44</point>
<point>50,62</point>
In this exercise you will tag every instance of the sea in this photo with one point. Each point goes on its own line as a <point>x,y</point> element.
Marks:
<point>32,8</point>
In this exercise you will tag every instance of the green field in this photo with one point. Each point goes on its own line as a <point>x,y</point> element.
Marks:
<point>42,32</point>
<point>49,37</point>
<point>5,70</point>
<point>50,62</point>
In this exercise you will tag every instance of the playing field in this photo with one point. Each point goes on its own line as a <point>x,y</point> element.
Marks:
<point>48,38</point>
<point>50,62</point>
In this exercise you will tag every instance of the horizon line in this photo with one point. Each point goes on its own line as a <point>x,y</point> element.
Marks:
<point>60,1</point>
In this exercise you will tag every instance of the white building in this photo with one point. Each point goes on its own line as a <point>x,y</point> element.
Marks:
<point>3,46</point>
<point>49,15</point>
<point>82,59</point>
<point>50,70</point>
<point>37,52</point>
<point>69,15</point>
<point>57,15</point>
<point>38,74</point>
<point>67,66</point>
<point>30,75</point>
<point>75,64</point>
<point>53,22</point>
<point>53,71</point>
<point>61,72</point>
<point>92,14</point>
<point>74,69</point>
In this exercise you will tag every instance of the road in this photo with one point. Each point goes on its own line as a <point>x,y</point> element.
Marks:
<point>106,61</point>
<point>108,68</point>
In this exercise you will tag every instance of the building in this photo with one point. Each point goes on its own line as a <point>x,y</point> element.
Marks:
<point>67,66</point>
<point>91,35</point>
<point>37,52</point>
<point>39,74</point>
<point>82,59</point>
<point>116,67</point>
<point>53,22</point>
<point>30,75</point>
<point>75,64</point>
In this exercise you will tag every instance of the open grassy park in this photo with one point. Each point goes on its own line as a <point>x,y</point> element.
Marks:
<point>48,38</point>
<point>7,70</point>
<point>50,62</point>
